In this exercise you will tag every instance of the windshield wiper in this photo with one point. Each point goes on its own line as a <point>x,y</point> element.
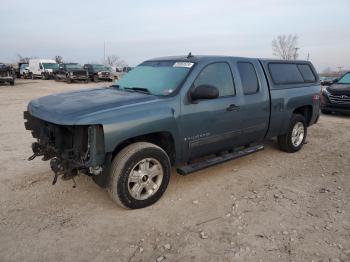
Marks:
<point>138,89</point>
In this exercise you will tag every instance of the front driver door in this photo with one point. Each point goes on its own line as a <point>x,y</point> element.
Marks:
<point>212,125</point>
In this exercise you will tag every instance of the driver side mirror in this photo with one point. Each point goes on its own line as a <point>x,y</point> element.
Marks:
<point>204,92</point>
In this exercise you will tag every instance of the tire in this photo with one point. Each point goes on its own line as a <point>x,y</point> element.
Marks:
<point>285,141</point>
<point>12,83</point>
<point>128,160</point>
<point>95,78</point>
<point>326,112</point>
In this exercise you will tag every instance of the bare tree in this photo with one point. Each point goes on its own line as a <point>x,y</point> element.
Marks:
<point>23,59</point>
<point>115,61</point>
<point>59,59</point>
<point>285,47</point>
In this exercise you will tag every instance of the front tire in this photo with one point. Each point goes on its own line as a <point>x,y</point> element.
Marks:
<point>139,175</point>
<point>295,137</point>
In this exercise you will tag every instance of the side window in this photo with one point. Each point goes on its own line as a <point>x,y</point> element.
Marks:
<point>218,75</point>
<point>250,83</point>
<point>307,73</point>
<point>285,73</point>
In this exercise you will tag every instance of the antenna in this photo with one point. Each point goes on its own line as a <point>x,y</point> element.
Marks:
<point>189,55</point>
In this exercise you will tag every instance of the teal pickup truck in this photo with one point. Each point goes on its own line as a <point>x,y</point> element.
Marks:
<point>188,111</point>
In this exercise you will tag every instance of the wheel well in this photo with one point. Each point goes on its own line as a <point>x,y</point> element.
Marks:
<point>162,139</point>
<point>305,111</point>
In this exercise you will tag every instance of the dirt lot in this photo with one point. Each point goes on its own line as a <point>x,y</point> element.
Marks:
<point>269,206</point>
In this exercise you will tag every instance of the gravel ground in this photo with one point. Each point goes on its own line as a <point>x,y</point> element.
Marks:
<point>269,206</point>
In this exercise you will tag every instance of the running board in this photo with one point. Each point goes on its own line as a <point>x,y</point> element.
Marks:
<point>185,170</point>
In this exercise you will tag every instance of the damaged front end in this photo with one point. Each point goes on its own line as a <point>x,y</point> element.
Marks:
<point>71,149</point>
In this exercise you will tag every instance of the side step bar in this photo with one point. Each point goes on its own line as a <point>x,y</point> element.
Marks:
<point>185,170</point>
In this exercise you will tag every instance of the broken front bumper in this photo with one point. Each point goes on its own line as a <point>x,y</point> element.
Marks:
<point>70,148</point>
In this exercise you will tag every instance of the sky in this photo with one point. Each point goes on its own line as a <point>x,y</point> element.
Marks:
<point>139,30</point>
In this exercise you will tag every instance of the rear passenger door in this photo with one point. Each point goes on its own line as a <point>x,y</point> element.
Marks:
<point>255,100</point>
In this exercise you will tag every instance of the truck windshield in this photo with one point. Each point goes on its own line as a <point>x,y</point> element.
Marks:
<point>156,77</point>
<point>345,79</point>
<point>50,65</point>
<point>74,66</point>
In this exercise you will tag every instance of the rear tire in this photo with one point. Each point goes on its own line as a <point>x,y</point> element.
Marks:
<point>295,137</point>
<point>12,83</point>
<point>139,175</point>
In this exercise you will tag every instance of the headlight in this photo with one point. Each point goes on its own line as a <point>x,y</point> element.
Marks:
<point>325,91</point>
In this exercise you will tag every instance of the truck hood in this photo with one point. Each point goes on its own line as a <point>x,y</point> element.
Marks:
<point>339,89</point>
<point>68,108</point>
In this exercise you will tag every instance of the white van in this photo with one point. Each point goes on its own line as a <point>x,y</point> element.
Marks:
<point>43,68</point>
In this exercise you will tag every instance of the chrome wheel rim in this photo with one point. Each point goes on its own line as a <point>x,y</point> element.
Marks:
<point>298,134</point>
<point>145,178</point>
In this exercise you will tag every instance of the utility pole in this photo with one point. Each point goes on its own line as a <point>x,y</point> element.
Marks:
<point>295,52</point>
<point>340,69</point>
<point>104,52</point>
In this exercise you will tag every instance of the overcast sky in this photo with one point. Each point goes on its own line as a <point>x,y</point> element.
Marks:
<point>138,30</point>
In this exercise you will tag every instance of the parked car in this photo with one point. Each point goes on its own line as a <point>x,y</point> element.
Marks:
<point>42,68</point>
<point>7,74</point>
<point>171,112</point>
<point>99,72</point>
<point>336,98</point>
<point>71,72</point>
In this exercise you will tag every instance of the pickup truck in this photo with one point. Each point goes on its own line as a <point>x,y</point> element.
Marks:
<point>71,72</point>
<point>99,72</point>
<point>7,74</point>
<point>188,111</point>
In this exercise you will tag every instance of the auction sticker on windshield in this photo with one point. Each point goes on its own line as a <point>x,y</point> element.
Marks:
<point>183,64</point>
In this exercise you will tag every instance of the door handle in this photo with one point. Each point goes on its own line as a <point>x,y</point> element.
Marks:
<point>233,107</point>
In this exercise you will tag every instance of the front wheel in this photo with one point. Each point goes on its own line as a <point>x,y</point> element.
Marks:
<point>139,175</point>
<point>295,137</point>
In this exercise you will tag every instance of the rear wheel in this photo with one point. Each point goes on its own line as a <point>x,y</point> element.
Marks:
<point>12,83</point>
<point>139,175</point>
<point>295,137</point>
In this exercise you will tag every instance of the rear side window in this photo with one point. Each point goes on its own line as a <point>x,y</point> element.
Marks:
<point>218,75</point>
<point>307,73</point>
<point>249,79</point>
<point>291,73</point>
